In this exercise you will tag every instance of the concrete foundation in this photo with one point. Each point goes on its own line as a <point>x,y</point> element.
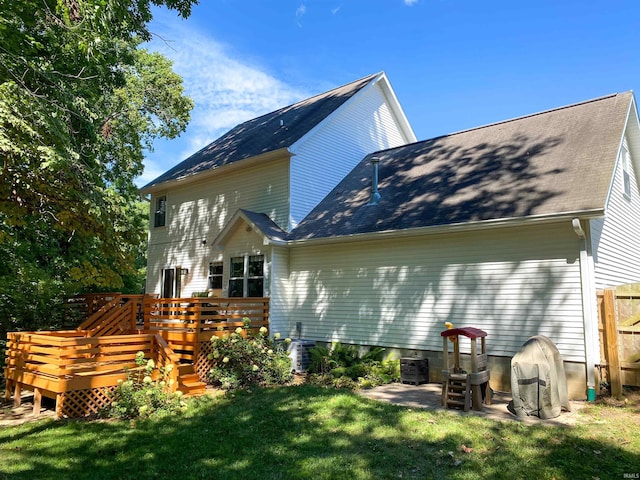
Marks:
<point>500,368</point>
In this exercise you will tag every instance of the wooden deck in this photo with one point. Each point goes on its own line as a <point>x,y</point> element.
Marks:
<point>80,368</point>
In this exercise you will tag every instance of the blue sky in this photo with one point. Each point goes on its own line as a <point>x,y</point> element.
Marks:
<point>453,64</point>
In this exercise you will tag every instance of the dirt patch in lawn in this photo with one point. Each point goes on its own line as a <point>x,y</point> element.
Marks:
<point>10,415</point>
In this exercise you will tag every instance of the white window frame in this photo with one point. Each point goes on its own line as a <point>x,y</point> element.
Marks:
<point>160,211</point>
<point>211,276</point>
<point>176,282</point>
<point>246,259</point>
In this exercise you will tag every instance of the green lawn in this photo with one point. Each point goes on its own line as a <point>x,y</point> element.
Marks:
<point>310,432</point>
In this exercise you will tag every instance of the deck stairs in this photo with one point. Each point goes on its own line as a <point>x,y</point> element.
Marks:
<point>189,382</point>
<point>117,317</point>
<point>113,318</point>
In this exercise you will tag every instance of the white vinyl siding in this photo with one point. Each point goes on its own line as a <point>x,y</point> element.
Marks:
<point>195,259</point>
<point>616,238</point>
<point>198,211</point>
<point>278,290</point>
<point>244,242</point>
<point>324,157</point>
<point>513,283</point>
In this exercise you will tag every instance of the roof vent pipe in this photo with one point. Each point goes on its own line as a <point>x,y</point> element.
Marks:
<point>375,195</point>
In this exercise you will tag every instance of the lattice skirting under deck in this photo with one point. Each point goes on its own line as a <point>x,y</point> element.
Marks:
<point>82,403</point>
<point>202,364</point>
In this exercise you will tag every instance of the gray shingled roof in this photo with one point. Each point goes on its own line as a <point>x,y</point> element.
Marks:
<point>266,225</point>
<point>270,132</point>
<point>559,161</point>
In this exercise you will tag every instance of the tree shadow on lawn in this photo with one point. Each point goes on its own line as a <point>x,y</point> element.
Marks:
<point>302,432</point>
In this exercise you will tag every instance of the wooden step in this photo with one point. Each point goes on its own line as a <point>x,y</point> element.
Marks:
<point>185,368</point>
<point>190,377</point>
<point>189,381</point>
<point>192,389</point>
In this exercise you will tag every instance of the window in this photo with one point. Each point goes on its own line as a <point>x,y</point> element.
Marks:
<point>161,211</point>
<point>626,170</point>
<point>215,275</point>
<point>246,276</point>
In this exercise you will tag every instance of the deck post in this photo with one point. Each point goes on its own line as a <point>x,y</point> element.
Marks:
<point>17,395</point>
<point>198,330</point>
<point>8,389</point>
<point>59,400</point>
<point>37,401</point>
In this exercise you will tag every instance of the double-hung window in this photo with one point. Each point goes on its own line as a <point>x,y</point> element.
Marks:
<point>160,217</point>
<point>246,276</point>
<point>215,275</point>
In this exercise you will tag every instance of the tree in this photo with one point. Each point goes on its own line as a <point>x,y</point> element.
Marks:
<point>80,101</point>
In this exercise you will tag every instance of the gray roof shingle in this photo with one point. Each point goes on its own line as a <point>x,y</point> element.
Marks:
<point>554,162</point>
<point>266,225</point>
<point>267,133</point>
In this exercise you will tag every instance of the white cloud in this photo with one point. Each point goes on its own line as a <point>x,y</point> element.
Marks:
<point>226,91</point>
<point>410,3</point>
<point>300,12</point>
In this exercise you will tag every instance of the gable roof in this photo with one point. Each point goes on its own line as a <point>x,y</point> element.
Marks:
<point>558,162</point>
<point>259,222</point>
<point>267,133</point>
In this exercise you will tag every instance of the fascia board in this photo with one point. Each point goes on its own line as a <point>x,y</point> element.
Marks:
<point>329,118</point>
<point>453,228</point>
<point>237,165</point>
<point>632,128</point>
<point>631,131</point>
<point>397,109</point>
<point>221,238</point>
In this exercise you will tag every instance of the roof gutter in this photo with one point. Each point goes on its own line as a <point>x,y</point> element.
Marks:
<point>453,228</point>
<point>206,174</point>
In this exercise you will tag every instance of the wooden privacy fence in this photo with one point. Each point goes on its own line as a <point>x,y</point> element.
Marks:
<point>619,325</point>
<point>79,372</point>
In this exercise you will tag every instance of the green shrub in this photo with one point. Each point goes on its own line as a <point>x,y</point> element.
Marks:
<point>320,360</point>
<point>140,396</point>
<point>341,366</point>
<point>241,360</point>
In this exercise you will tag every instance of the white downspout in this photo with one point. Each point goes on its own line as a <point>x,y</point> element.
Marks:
<point>589,313</point>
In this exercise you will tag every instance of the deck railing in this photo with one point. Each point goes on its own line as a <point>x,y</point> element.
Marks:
<point>117,316</point>
<point>80,307</point>
<point>80,367</point>
<point>54,364</point>
<point>187,322</point>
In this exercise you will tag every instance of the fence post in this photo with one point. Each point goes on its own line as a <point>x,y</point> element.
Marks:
<point>611,342</point>
<point>146,311</point>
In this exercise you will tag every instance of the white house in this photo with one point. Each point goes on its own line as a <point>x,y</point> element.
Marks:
<point>361,235</point>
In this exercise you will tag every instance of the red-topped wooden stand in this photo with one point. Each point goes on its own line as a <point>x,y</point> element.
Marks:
<point>459,388</point>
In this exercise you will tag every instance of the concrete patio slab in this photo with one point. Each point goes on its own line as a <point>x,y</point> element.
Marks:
<point>428,396</point>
